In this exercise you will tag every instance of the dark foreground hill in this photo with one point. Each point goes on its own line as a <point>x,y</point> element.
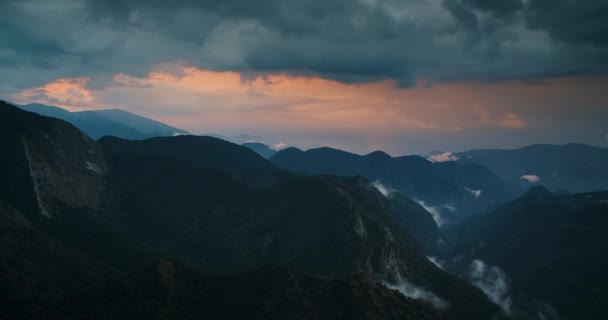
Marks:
<point>551,249</point>
<point>50,241</point>
<point>79,216</point>
<point>170,290</point>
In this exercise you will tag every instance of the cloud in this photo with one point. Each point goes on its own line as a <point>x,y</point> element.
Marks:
<point>353,41</point>
<point>386,191</point>
<point>512,120</point>
<point>476,193</point>
<point>493,282</point>
<point>437,262</point>
<point>530,178</point>
<point>413,291</point>
<point>586,20</point>
<point>546,311</point>
<point>280,146</point>
<point>435,211</point>
<point>444,157</point>
<point>67,93</point>
<point>498,9</point>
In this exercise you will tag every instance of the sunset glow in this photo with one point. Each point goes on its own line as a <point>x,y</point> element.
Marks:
<point>204,101</point>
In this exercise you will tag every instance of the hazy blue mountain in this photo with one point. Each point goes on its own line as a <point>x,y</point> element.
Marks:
<point>110,122</point>
<point>569,167</point>
<point>261,149</point>
<point>551,249</point>
<point>449,190</point>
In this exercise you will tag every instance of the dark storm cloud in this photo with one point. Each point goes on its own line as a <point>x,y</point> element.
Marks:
<point>498,8</point>
<point>571,20</point>
<point>347,40</point>
<point>462,12</point>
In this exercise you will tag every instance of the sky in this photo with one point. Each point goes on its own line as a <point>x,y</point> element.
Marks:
<point>404,76</point>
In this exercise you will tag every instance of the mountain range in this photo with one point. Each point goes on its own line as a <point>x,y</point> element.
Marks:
<point>570,167</point>
<point>449,190</point>
<point>88,228</point>
<point>181,227</point>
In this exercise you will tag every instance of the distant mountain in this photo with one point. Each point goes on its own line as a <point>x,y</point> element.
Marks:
<point>551,249</point>
<point>110,122</point>
<point>448,189</point>
<point>570,167</point>
<point>261,149</point>
<point>79,217</point>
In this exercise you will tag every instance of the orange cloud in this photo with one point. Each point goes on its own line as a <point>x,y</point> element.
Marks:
<point>70,93</point>
<point>513,121</point>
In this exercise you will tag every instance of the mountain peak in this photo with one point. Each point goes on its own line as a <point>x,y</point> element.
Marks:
<point>378,154</point>
<point>290,150</point>
<point>537,193</point>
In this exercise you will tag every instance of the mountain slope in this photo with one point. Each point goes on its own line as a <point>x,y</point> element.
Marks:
<point>450,189</point>
<point>170,290</point>
<point>114,122</point>
<point>52,176</point>
<point>569,167</point>
<point>550,247</point>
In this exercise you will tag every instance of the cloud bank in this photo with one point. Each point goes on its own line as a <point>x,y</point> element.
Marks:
<point>386,191</point>
<point>493,282</point>
<point>413,291</point>
<point>435,211</point>
<point>444,157</point>
<point>350,41</point>
<point>474,192</point>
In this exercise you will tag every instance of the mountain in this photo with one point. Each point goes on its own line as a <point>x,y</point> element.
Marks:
<point>207,152</point>
<point>260,148</point>
<point>571,167</point>
<point>449,190</point>
<point>110,122</point>
<point>550,247</point>
<point>79,218</point>
<point>318,225</point>
<point>415,221</point>
<point>52,177</point>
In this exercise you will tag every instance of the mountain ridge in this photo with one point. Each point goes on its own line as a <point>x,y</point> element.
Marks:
<point>452,189</point>
<point>99,123</point>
